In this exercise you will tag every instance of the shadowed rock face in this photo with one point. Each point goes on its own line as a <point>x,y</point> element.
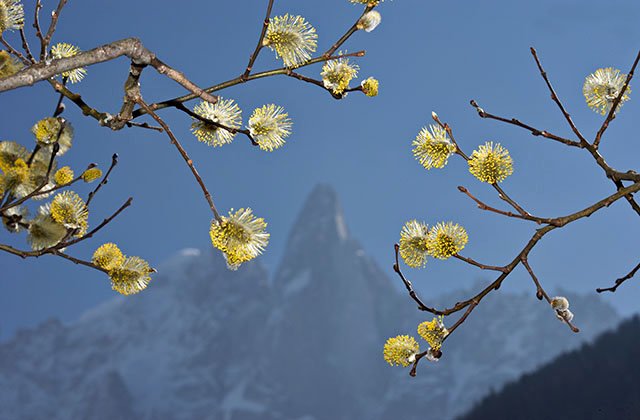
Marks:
<point>206,343</point>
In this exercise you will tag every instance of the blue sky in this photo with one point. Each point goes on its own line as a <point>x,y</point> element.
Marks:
<point>428,56</point>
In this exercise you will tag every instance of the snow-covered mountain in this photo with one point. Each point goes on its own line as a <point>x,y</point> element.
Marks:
<point>206,343</point>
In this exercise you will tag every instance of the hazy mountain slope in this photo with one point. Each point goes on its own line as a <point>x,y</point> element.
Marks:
<point>206,343</point>
<point>597,381</point>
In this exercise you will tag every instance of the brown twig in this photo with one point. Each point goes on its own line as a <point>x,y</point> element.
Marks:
<point>520,258</point>
<point>57,249</point>
<point>256,52</point>
<point>612,174</point>
<point>483,206</point>
<point>480,265</point>
<point>183,153</point>
<point>181,107</point>
<point>409,286</point>
<point>59,109</point>
<point>315,82</point>
<point>503,195</point>
<point>36,26</point>
<point>25,46</point>
<point>619,281</point>
<point>38,192</point>
<point>556,99</point>
<point>79,261</point>
<point>534,131</point>
<point>56,147</point>
<point>540,294</point>
<point>238,80</point>
<point>353,29</point>
<point>612,112</point>
<point>55,15</point>
<point>459,322</point>
<point>13,51</point>
<point>95,230</point>
<point>463,318</point>
<point>104,180</point>
<point>144,125</point>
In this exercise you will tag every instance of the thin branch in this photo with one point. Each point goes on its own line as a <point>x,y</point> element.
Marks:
<point>503,195</point>
<point>25,46</point>
<point>534,131</point>
<point>181,107</point>
<point>36,26</point>
<point>38,192</point>
<point>521,257</point>
<point>238,80</point>
<point>55,15</point>
<point>56,147</point>
<point>353,29</point>
<point>59,109</point>
<point>95,230</point>
<point>181,79</point>
<point>540,294</point>
<point>479,265</point>
<point>312,81</point>
<point>619,281</point>
<point>483,206</point>
<point>438,354</point>
<point>612,112</point>
<point>57,249</point>
<point>256,52</point>
<point>612,174</point>
<point>183,153</point>
<point>13,51</point>
<point>104,180</point>
<point>632,202</point>
<point>409,286</point>
<point>556,99</point>
<point>79,261</point>
<point>144,125</point>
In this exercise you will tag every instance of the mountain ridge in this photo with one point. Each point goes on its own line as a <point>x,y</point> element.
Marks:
<point>203,342</point>
<point>596,381</point>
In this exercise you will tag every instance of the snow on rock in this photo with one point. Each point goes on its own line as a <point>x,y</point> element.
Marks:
<point>206,343</point>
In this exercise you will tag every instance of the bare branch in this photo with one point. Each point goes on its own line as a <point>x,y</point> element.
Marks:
<point>483,206</point>
<point>612,112</point>
<point>13,51</point>
<point>104,180</point>
<point>353,29</point>
<point>130,47</point>
<point>181,107</point>
<point>55,15</point>
<point>183,153</point>
<point>619,281</point>
<point>409,286</point>
<point>540,294</point>
<point>556,99</point>
<point>479,265</point>
<point>25,46</point>
<point>256,52</point>
<point>238,80</point>
<point>534,131</point>
<point>95,230</point>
